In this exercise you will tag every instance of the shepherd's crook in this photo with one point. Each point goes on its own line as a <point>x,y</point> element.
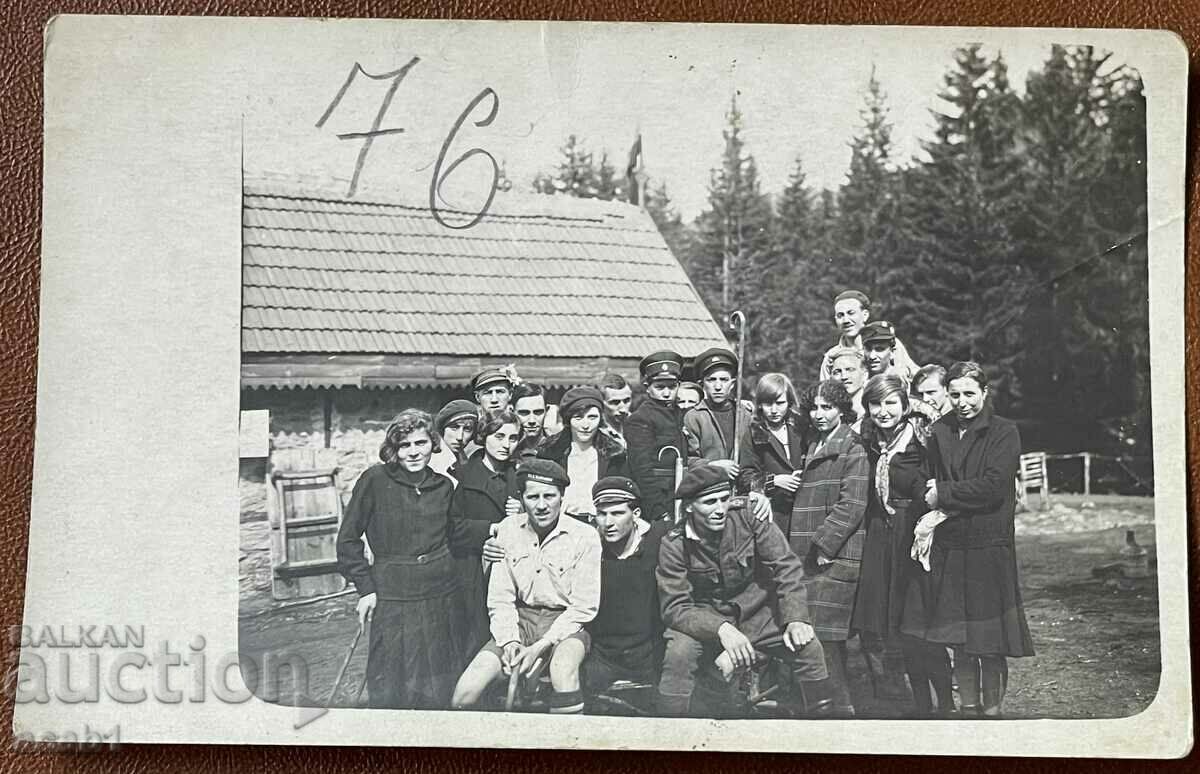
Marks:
<point>678,476</point>
<point>737,320</point>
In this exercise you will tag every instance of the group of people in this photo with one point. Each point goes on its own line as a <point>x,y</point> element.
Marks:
<point>687,541</point>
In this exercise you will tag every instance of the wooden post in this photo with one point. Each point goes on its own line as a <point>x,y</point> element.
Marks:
<point>1087,473</point>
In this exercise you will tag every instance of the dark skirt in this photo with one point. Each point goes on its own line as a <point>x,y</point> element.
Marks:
<point>971,599</point>
<point>886,571</point>
<point>417,652</point>
<point>474,594</point>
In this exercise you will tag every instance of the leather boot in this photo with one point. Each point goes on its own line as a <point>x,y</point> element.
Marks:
<point>994,681</point>
<point>966,672</point>
<point>818,698</point>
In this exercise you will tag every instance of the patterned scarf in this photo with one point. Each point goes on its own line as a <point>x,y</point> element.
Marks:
<point>886,451</point>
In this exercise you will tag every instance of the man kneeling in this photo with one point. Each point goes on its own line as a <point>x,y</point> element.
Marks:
<point>732,584</point>
<point>540,595</point>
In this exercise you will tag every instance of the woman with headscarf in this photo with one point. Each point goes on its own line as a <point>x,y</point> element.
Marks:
<point>411,594</point>
<point>972,598</point>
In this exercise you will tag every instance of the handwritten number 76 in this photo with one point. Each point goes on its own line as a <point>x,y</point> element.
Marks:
<point>376,130</point>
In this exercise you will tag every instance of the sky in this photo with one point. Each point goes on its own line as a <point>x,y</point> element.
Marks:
<point>800,90</point>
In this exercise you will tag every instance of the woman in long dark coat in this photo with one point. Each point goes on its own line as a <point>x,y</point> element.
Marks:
<point>896,501</point>
<point>410,595</point>
<point>825,528</point>
<point>972,600</point>
<point>486,493</point>
<point>773,446</point>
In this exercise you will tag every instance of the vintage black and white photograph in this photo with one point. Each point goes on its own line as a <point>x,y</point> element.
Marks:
<point>709,387</point>
<point>720,383</point>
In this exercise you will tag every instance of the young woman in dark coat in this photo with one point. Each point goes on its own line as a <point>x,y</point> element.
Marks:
<point>486,493</point>
<point>411,594</point>
<point>895,502</point>
<point>772,448</point>
<point>972,600</point>
<point>587,454</point>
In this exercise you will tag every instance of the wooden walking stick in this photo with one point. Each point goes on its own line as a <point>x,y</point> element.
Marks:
<point>678,477</point>
<point>737,320</point>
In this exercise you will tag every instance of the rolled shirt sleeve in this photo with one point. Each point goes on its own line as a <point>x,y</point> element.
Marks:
<point>502,604</point>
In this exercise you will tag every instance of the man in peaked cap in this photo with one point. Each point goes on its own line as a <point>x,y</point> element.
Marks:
<point>729,582</point>
<point>656,425</point>
<point>627,632</point>
<point>852,311</point>
<point>879,349</point>
<point>714,419</point>
<point>492,388</point>
<point>540,595</point>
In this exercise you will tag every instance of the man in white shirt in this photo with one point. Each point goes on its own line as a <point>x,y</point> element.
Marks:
<point>540,595</point>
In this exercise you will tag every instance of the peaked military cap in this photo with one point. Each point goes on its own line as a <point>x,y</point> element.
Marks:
<point>661,364</point>
<point>701,480</point>
<point>880,330</point>
<point>716,357</point>
<point>489,376</point>
<point>543,472</point>
<point>615,489</point>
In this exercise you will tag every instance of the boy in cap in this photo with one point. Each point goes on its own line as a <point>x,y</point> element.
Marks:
<point>455,423</point>
<point>656,425</point>
<point>492,388</point>
<point>731,583</point>
<point>540,595</point>
<point>627,632</point>
<point>714,419</point>
<point>851,311</point>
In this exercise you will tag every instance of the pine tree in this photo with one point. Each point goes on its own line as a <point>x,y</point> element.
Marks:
<point>576,174</point>
<point>670,224</point>
<point>731,255</point>
<point>801,301</point>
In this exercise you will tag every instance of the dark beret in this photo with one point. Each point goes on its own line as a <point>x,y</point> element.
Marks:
<point>615,489</point>
<point>579,399</point>
<point>543,472</point>
<point>701,480</point>
<point>455,409</point>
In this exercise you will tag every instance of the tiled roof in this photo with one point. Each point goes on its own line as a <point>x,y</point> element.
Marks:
<point>540,276</point>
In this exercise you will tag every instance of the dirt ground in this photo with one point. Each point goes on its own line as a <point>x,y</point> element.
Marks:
<point>1097,640</point>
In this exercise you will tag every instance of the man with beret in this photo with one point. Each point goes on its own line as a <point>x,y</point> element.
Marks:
<point>492,388</point>
<point>716,418</point>
<point>731,583</point>
<point>627,632</point>
<point>540,595</point>
<point>657,424</point>
<point>851,311</point>
<point>455,423</point>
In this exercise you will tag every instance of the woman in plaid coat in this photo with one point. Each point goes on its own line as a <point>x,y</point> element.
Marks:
<point>825,528</point>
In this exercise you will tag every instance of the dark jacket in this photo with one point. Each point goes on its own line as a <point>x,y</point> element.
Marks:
<point>402,521</point>
<point>650,428</point>
<point>828,508</point>
<point>610,455</point>
<point>757,586</point>
<point>707,429</point>
<point>975,477</point>
<point>478,502</point>
<point>763,457</point>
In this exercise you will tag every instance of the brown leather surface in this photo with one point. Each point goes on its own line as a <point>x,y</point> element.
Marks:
<point>20,145</point>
